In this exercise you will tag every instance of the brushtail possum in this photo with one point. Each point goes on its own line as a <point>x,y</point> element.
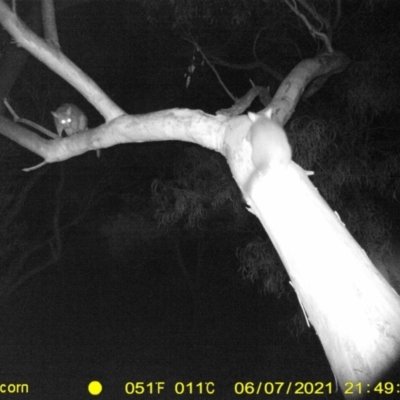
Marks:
<point>70,119</point>
<point>269,144</point>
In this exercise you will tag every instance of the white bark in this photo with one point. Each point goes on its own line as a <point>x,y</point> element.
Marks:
<point>353,309</point>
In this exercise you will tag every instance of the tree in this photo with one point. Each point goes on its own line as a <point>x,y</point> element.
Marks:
<point>359,330</point>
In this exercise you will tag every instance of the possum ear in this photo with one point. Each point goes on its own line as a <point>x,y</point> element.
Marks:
<point>269,113</point>
<point>253,117</point>
<point>55,115</point>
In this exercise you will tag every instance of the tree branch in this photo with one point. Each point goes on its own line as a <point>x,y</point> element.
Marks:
<point>198,48</point>
<point>49,23</point>
<point>314,31</point>
<point>59,63</point>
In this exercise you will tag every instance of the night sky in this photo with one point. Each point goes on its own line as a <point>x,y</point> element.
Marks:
<point>140,289</point>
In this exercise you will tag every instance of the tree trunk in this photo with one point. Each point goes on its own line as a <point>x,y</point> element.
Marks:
<point>353,309</point>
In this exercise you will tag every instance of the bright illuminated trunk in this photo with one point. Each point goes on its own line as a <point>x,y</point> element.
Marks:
<point>353,309</point>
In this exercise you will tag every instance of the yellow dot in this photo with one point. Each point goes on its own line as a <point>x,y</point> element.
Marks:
<point>95,388</point>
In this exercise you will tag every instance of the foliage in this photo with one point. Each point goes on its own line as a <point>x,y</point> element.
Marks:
<point>312,138</point>
<point>260,263</point>
<point>371,90</point>
<point>132,236</point>
<point>201,195</point>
